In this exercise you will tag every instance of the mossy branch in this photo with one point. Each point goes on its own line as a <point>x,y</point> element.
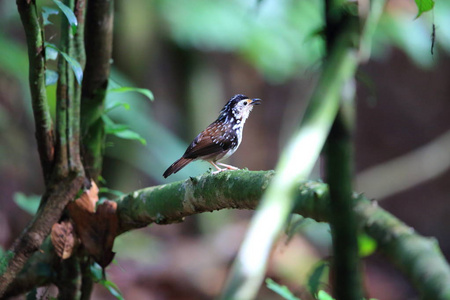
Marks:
<point>64,96</point>
<point>68,157</point>
<point>77,51</point>
<point>41,111</point>
<point>418,257</point>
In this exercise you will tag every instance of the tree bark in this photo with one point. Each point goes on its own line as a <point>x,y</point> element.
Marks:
<point>98,41</point>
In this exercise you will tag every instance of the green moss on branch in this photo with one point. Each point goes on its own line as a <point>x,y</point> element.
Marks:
<point>36,56</point>
<point>418,257</point>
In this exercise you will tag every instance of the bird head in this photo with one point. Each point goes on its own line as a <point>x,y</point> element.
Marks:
<point>239,107</point>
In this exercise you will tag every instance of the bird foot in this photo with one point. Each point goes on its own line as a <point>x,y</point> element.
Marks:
<point>218,171</point>
<point>229,167</point>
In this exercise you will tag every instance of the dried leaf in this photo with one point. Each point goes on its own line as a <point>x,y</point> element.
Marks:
<point>63,239</point>
<point>96,229</point>
<point>87,200</point>
<point>107,226</point>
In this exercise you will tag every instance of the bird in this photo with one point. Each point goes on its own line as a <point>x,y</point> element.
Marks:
<point>221,138</point>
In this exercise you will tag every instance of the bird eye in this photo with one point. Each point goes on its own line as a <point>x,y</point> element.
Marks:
<point>245,102</point>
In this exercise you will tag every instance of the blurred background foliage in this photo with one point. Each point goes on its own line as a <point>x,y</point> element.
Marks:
<point>194,55</point>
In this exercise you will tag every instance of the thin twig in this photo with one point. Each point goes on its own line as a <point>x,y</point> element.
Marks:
<point>63,95</point>
<point>75,50</point>
<point>36,56</point>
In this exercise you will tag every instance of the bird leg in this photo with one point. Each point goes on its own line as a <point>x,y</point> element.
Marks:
<point>229,167</point>
<point>217,168</point>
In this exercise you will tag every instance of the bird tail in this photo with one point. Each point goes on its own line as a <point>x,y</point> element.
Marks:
<point>176,166</point>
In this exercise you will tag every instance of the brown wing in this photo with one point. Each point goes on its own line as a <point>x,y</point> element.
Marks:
<point>213,141</point>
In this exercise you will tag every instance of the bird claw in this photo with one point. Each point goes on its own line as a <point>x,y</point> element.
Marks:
<point>229,167</point>
<point>218,171</point>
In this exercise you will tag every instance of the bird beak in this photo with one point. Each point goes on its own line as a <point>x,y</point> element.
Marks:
<point>256,101</point>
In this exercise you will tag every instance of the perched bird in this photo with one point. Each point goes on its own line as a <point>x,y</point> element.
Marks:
<point>220,139</point>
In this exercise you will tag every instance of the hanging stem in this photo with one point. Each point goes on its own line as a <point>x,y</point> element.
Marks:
<point>64,95</point>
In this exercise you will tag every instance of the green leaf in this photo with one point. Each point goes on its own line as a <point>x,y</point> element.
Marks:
<point>322,295</point>
<point>281,290</point>
<point>112,106</point>
<point>101,179</point>
<point>51,77</point>
<point>366,245</point>
<point>111,127</point>
<point>315,277</point>
<point>424,6</point>
<point>46,13</point>
<point>29,204</point>
<point>144,92</point>
<point>111,191</point>
<point>74,64</point>
<point>69,15</point>
<point>112,288</point>
<point>115,128</point>
<point>121,130</point>
<point>130,135</point>
<point>97,276</point>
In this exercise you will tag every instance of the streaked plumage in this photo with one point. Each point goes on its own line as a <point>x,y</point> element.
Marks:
<point>221,138</point>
